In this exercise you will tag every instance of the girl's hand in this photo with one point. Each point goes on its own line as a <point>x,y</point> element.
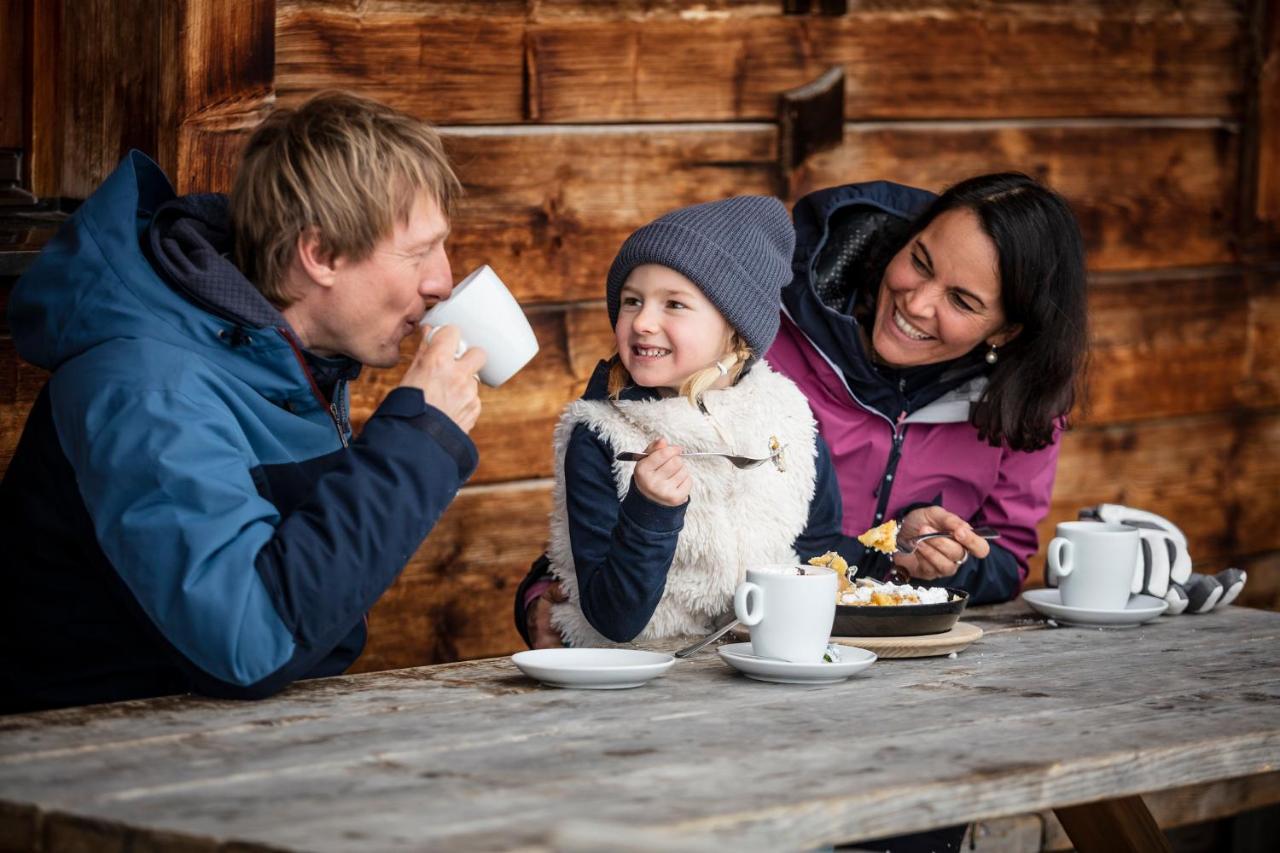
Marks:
<point>661,476</point>
<point>941,557</point>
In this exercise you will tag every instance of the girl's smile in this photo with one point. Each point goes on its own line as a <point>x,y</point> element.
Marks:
<point>667,330</point>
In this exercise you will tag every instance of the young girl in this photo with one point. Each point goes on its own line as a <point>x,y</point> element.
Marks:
<point>653,549</point>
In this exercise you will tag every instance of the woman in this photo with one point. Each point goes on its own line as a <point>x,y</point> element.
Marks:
<point>939,340</point>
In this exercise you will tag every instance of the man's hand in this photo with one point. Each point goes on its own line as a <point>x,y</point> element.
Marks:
<point>448,383</point>
<point>538,618</point>
<point>941,557</point>
<point>661,476</point>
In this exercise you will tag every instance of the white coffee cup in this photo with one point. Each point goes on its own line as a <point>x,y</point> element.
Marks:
<point>488,316</point>
<point>789,609</point>
<point>1093,562</point>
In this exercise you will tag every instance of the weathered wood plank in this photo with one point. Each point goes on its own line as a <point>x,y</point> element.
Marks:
<point>443,61</point>
<point>1262,590</point>
<point>1216,476</point>
<point>1163,346</point>
<point>100,72</point>
<point>474,756</point>
<point>224,67</point>
<point>549,207</point>
<point>1264,336</point>
<point>20,383</point>
<point>552,226</point>
<point>1184,343</point>
<point>111,75</point>
<point>588,63</point>
<point>1261,168</point>
<point>12,72</point>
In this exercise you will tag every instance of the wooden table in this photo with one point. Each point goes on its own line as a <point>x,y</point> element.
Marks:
<point>474,756</point>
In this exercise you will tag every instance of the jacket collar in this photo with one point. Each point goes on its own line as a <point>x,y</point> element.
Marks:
<point>859,218</point>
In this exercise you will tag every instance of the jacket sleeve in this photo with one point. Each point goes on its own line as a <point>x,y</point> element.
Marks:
<point>1015,506</point>
<point>621,551</point>
<point>822,531</point>
<point>249,599</point>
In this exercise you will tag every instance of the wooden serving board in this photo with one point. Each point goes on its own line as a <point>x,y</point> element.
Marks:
<point>928,645</point>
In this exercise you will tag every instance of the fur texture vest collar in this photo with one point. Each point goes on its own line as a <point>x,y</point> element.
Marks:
<point>735,518</point>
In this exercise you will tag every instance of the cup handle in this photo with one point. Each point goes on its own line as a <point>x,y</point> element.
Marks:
<point>741,596</point>
<point>462,345</point>
<point>1060,557</point>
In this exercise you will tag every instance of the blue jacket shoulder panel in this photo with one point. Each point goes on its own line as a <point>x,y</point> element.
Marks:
<point>177,513</point>
<point>199,467</point>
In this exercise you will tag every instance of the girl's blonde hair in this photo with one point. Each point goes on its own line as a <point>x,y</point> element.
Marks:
<point>693,387</point>
<point>347,167</point>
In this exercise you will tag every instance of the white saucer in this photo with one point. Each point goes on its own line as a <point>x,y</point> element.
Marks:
<point>1141,608</point>
<point>592,669</point>
<point>739,656</point>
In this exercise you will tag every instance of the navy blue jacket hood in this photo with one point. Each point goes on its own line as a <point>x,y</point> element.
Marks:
<point>845,236</point>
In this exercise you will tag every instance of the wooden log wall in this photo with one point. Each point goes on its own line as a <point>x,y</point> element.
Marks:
<point>573,122</point>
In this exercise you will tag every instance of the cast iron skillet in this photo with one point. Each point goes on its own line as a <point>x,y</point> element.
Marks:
<point>901,621</point>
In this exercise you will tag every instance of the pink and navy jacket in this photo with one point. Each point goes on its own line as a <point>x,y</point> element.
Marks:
<point>899,439</point>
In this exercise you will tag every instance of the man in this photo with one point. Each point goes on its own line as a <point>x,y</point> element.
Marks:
<point>186,509</point>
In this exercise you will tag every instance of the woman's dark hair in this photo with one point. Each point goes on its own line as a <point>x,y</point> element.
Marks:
<point>1042,289</point>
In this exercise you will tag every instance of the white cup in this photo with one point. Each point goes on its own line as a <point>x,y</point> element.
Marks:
<point>488,316</point>
<point>1093,562</point>
<point>789,609</point>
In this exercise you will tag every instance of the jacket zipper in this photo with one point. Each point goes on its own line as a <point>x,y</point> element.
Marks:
<point>885,486</point>
<point>331,408</point>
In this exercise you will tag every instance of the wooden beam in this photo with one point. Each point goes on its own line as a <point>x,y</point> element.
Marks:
<point>1260,158</point>
<point>100,71</point>
<point>13,81</point>
<point>552,226</point>
<point>1112,826</point>
<point>622,62</point>
<point>225,87</point>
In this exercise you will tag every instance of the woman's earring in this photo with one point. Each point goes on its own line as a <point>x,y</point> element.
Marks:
<point>724,368</point>
<point>991,356</point>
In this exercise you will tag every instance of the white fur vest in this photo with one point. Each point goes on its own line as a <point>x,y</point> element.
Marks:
<point>735,518</point>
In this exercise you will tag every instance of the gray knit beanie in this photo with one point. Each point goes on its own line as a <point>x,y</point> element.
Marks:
<point>737,251</point>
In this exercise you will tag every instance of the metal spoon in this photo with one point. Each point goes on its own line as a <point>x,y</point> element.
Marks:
<point>709,639</point>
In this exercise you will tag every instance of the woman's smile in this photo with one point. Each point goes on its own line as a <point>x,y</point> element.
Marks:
<point>907,329</point>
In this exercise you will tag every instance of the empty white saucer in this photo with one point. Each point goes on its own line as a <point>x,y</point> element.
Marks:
<point>739,656</point>
<point>592,669</point>
<point>1141,608</point>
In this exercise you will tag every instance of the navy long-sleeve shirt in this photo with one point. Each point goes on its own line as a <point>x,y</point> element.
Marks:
<point>622,551</point>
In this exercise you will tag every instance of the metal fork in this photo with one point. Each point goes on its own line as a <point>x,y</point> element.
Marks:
<point>743,462</point>
<point>906,546</point>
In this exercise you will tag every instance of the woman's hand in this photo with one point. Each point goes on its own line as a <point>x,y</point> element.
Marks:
<point>941,557</point>
<point>661,476</point>
<point>538,618</point>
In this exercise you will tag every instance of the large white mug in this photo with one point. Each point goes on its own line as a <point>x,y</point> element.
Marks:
<point>487,316</point>
<point>1093,562</point>
<point>789,611</point>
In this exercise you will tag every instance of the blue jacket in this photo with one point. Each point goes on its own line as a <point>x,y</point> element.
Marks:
<point>186,509</point>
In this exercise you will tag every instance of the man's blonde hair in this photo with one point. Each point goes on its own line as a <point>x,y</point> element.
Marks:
<point>347,167</point>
